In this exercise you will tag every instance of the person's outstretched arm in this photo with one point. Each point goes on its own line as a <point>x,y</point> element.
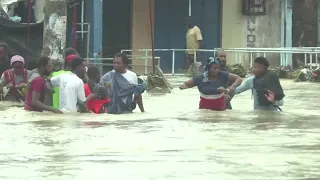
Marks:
<point>191,83</point>
<point>245,86</point>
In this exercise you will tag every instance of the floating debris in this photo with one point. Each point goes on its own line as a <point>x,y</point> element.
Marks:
<point>237,69</point>
<point>156,83</point>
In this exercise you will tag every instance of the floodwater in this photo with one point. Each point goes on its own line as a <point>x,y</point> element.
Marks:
<point>172,140</point>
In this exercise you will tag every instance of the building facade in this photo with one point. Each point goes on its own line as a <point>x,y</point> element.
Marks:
<point>124,24</point>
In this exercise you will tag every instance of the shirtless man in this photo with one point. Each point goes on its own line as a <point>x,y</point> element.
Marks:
<point>222,56</point>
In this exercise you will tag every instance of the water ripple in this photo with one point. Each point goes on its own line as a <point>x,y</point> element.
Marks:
<point>176,141</point>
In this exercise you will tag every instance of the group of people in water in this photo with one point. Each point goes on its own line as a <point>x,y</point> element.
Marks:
<point>217,86</point>
<point>81,88</point>
<point>77,88</point>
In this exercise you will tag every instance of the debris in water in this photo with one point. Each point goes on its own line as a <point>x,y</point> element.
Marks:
<point>237,69</point>
<point>156,83</point>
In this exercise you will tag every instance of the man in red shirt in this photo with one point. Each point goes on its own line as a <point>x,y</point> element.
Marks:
<point>37,88</point>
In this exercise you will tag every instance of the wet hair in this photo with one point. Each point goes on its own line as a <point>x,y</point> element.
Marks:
<point>43,61</point>
<point>69,51</point>
<point>262,60</point>
<point>92,72</point>
<point>101,91</point>
<point>76,63</point>
<point>5,46</point>
<point>210,62</point>
<point>124,57</point>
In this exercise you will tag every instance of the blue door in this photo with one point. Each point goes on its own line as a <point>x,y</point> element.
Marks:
<point>207,14</point>
<point>170,32</point>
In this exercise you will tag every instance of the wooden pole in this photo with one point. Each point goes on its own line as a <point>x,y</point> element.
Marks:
<point>152,38</point>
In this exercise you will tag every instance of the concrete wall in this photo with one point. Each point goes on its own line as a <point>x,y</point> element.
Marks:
<point>141,33</point>
<point>233,27</point>
<point>265,31</point>
<point>239,31</point>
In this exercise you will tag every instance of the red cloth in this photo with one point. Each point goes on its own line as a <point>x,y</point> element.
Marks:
<point>95,105</point>
<point>71,57</point>
<point>213,104</point>
<point>9,76</point>
<point>38,85</point>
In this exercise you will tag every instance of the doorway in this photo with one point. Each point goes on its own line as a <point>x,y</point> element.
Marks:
<point>117,16</point>
<point>170,32</point>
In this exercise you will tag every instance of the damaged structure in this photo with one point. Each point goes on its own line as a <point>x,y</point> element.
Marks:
<point>37,27</point>
<point>54,31</point>
<point>21,26</point>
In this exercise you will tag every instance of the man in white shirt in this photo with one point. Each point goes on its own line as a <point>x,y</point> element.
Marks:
<point>131,77</point>
<point>71,87</point>
<point>125,92</point>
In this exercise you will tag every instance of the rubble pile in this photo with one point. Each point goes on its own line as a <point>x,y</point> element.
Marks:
<point>156,82</point>
<point>237,69</point>
<point>285,72</point>
<point>306,73</point>
<point>195,69</point>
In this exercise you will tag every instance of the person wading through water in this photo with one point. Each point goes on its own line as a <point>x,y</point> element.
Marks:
<point>72,87</point>
<point>96,106</point>
<point>124,88</point>
<point>69,55</point>
<point>213,85</point>
<point>265,85</point>
<point>15,79</point>
<point>222,56</point>
<point>37,89</point>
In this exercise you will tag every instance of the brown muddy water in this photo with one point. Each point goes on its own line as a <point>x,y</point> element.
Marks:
<point>172,140</point>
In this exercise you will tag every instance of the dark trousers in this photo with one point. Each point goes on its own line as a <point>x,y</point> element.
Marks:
<point>229,105</point>
<point>189,60</point>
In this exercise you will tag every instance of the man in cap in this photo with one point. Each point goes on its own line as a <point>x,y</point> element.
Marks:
<point>69,54</point>
<point>15,80</point>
